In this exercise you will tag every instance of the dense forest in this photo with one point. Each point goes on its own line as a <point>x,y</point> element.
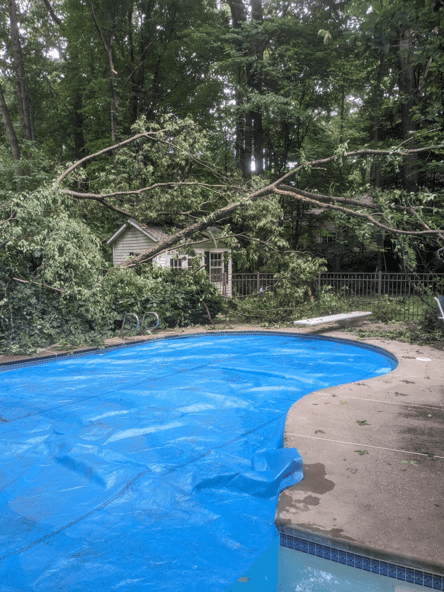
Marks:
<point>310,131</point>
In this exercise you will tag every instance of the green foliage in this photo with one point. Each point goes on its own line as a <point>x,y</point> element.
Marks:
<point>219,88</point>
<point>179,297</point>
<point>293,292</point>
<point>33,316</point>
<point>56,287</point>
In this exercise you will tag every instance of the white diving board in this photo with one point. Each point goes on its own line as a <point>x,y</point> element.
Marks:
<point>350,319</point>
<point>440,302</point>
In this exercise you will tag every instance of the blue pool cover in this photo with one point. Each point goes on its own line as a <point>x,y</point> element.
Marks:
<point>155,467</point>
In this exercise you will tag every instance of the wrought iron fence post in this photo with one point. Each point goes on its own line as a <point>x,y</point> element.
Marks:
<point>379,284</point>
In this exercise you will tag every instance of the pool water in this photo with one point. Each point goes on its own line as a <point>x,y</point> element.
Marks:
<point>283,570</point>
<point>155,467</point>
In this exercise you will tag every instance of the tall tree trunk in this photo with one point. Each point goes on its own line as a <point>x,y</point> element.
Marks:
<point>78,120</point>
<point>24,100</point>
<point>375,173</point>
<point>249,126</point>
<point>238,17</point>
<point>407,87</point>
<point>247,147</point>
<point>108,46</point>
<point>256,82</point>
<point>10,131</point>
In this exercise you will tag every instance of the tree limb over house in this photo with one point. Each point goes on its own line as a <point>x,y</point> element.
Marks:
<point>362,208</point>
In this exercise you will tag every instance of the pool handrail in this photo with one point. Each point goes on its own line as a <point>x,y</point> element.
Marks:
<point>143,320</point>
<point>128,314</point>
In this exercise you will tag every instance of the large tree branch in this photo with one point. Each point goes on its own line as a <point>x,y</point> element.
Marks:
<point>361,215</point>
<point>358,153</point>
<point>100,200</point>
<point>45,285</point>
<point>149,135</point>
<point>210,220</point>
<point>365,201</point>
<point>273,188</point>
<point>100,196</point>
<point>53,15</point>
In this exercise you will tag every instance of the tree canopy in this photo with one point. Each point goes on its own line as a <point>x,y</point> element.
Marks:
<point>267,118</point>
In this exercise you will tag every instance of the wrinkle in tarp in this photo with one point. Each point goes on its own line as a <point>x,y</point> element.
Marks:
<point>155,467</point>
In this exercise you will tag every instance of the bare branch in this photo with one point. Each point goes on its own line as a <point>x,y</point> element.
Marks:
<point>100,200</point>
<point>54,17</point>
<point>208,313</point>
<point>149,135</point>
<point>352,202</point>
<point>100,196</point>
<point>273,188</point>
<point>358,153</point>
<point>11,217</point>
<point>45,285</point>
<point>360,215</point>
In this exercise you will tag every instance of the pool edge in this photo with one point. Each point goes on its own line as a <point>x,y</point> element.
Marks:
<point>300,525</point>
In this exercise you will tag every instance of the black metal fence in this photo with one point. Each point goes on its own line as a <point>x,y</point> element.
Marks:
<point>391,296</point>
<point>244,284</point>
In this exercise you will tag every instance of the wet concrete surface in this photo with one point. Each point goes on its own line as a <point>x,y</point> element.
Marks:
<point>373,455</point>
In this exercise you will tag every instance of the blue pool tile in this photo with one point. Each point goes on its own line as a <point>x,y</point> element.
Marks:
<point>410,575</point>
<point>366,564</point>
<point>351,559</point>
<point>392,571</point>
<point>376,566</point>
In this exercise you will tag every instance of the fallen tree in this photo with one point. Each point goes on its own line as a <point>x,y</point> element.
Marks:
<point>414,218</point>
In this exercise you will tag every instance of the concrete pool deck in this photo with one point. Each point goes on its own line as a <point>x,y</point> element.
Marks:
<point>373,455</point>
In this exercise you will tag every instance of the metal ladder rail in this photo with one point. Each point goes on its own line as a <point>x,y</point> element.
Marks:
<point>143,320</point>
<point>128,314</point>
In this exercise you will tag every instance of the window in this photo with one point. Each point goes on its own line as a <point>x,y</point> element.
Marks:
<point>216,267</point>
<point>327,238</point>
<point>176,263</point>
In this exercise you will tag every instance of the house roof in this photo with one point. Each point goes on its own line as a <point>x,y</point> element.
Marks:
<point>157,234</point>
<point>152,232</point>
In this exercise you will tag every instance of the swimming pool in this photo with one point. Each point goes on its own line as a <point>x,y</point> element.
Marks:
<point>155,467</point>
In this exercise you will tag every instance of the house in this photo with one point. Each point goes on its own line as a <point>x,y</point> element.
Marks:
<point>133,238</point>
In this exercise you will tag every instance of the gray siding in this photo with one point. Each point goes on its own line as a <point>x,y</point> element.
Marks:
<point>134,241</point>
<point>131,241</point>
